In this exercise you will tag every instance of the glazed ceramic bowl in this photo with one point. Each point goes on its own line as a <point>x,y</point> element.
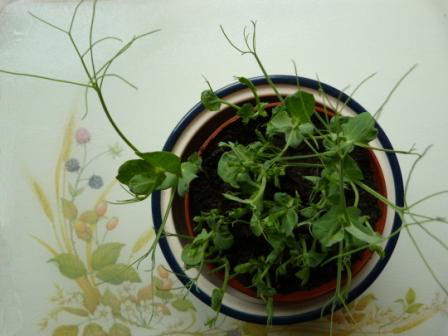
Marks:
<point>189,135</point>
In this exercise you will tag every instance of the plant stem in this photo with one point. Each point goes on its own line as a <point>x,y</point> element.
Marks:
<point>380,197</point>
<point>230,104</point>
<point>409,152</point>
<point>91,39</point>
<point>380,109</point>
<point>99,41</point>
<point>356,192</point>
<point>268,79</point>
<point>425,261</point>
<point>23,74</point>
<point>165,219</point>
<point>86,70</point>
<point>111,120</point>
<point>428,197</point>
<point>307,165</point>
<point>295,157</point>
<point>342,193</point>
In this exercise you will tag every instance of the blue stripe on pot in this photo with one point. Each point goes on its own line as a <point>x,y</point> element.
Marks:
<point>399,199</point>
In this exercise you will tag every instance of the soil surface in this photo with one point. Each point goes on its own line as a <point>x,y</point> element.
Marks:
<point>207,189</point>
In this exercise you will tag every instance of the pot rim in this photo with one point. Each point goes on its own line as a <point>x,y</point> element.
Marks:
<point>395,174</point>
<point>327,287</point>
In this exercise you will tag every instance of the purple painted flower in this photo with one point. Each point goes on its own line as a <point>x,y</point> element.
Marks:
<point>95,182</point>
<point>82,136</point>
<point>72,165</point>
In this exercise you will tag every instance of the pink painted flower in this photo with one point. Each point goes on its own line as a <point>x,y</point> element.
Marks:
<point>167,284</point>
<point>163,273</point>
<point>101,208</point>
<point>112,223</point>
<point>82,136</point>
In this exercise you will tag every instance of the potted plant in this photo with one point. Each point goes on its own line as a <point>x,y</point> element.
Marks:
<point>212,202</point>
<point>284,205</point>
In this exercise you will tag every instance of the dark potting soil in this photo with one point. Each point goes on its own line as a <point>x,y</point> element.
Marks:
<point>207,189</point>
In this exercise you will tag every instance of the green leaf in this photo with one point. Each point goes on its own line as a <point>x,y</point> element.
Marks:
<point>328,229</point>
<point>192,255</point>
<point>289,222</point>
<point>189,170</point>
<point>308,212</point>
<point>169,181</point>
<point>69,209</point>
<point>414,308</point>
<point>300,106</point>
<point>283,199</point>
<point>217,296</point>
<point>131,168</point>
<point>303,274</point>
<point>372,239</point>
<point>359,229</point>
<point>106,254</point>
<point>410,296</point>
<point>281,270</point>
<point>119,330</point>
<point>247,267</point>
<point>351,170</point>
<point>280,123</point>
<point>276,252</point>
<point>306,128</point>
<point>360,129</point>
<point>223,239</point>
<point>261,109</point>
<point>210,100</point>
<point>111,300</point>
<point>336,122</point>
<point>166,161</point>
<point>66,330</point>
<point>294,137</point>
<point>144,184</point>
<point>231,170</point>
<point>238,213</point>
<point>249,84</point>
<point>70,265</point>
<point>246,113</point>
<point>93,329</point>
<point>202,237</point>
<point>256,224</point>
<point>183,305</point>
<point>116,274</point>
<point>314,258</point>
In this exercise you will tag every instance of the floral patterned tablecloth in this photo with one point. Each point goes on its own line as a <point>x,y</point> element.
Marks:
<point>65,249</point>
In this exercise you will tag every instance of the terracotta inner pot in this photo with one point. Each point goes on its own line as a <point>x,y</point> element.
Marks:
<point>325,288</point>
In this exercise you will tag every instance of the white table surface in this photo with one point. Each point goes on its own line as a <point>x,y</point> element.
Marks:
<point>342,41</point>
